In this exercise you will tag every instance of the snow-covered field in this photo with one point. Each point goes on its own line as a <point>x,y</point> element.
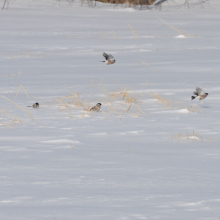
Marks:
<point>151,153</point>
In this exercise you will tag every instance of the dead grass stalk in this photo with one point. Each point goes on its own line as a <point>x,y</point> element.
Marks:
<point>13,120</point>
<point>185,34</point>
<point>19,106</point>
<point>24,91</point>
<point>191,136</point>
<point>133,31</point>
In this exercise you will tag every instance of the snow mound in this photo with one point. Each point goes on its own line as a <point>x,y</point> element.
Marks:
<point>180,36</point>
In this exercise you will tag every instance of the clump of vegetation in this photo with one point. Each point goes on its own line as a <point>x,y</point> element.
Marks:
<point>10,120</point>
<point>129,2</point>
<point>121,101</point>
<point>123,3</point>
<point>191,136</point>
<point>173,104</point>
<point>146,3</point>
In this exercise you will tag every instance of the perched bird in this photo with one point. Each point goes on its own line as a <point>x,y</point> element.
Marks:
<point>199,93</point>
<point>109,58</point>
<point>96,108</point>
<point>36,105</point>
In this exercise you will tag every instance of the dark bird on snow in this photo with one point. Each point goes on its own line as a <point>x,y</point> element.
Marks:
<point>109,58</point>
<point>199,93</point>
<point>96,108</point>
<point>36,105</point>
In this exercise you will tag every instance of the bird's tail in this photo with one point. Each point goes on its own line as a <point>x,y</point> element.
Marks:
<point>193,97</point>
<point>101,61</point>
<point>29,106</point>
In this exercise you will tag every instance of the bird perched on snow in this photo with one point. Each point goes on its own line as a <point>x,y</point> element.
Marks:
<point>109,58</point>
<point>36,105</point>
<point>96,108</point>
<point>199,93</point>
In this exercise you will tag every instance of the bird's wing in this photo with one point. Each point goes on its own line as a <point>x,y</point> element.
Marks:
<point>105,55</point>
<point>200,91</point>
<point>98,105</point>
<point>110,57</point>
<point>195,93</point>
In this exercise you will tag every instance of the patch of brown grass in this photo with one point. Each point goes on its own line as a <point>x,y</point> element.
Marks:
<point>119,101</point>
<point>122,100</point>
<point>128,2</point>
<point>72,100</point>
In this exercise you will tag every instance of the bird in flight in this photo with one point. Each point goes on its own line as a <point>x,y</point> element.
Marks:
<point>109,58</point>
<point>199,93</point>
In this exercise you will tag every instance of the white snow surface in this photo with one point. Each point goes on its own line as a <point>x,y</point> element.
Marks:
<point>145,157</point>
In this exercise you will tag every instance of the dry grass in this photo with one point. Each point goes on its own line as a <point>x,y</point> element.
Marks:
<point>125,95</point>
<point>5,1</point>
<point>123,100</point>
<point>214,74</point>
<point>11,120</point>
<point>19,106</point>
<point>194,108</point>
<point>19,72</point>
<point>146,64</point>
<point>24,91</point>
<point>70,101</point>
<point>9,74</point>
<point>173,104</point>
<point>188,136</point>
<point>133,31</point>
<point>129,3</point>
<point>143,4</point>
<point>115,35</point>
<point>185,3</point>
<point>184,33</point>
<point>71,146</point>
<point>120,101</point>
<point>28,54</point>
<point>129,148</point>
<point>68,113</point>
<point>38,99</point>
<point>169,104</point>
<point>210,139</point>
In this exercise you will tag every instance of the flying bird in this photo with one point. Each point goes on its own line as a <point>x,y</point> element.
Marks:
<point>109,58</point>
<point>199,93</point>
<point>96,108</point>
<point>36,105</point>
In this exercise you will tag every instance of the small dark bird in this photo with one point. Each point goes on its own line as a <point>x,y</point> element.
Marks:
<point>109,58</point>
<point>36,105</point>
<point>199,93</point>
<point>96,108</point>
